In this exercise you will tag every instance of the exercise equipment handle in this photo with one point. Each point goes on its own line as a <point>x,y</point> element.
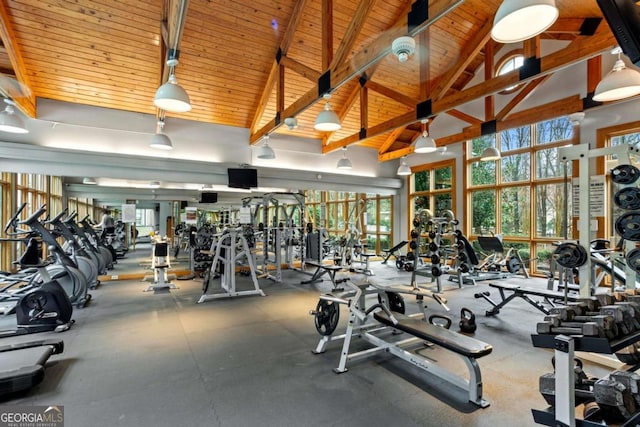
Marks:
<point>34,216</point>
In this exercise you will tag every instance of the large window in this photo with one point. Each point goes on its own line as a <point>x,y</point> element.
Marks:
<point>431,188</point>
<point>522,195</point>
<point>336,211</point>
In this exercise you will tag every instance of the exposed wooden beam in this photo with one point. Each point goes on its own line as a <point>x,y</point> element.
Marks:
<point>306,72</point>
<point>396,154</point>
<point>469,52</point>
<point>381,46</point>
<point>521,96</point>
<point>391,93</point>
<point>327,33</point>
<point>489,72</point>
<point>364,107</point>
<point>360,62</point>
<point>579,50</point>
<point>287,38</point>
<point>464,117</point>
<point>280,91</point>
<point>26,104</point>
<point>425,64</point>
<point>594,73</point>
<point>355,26</point>
<point>390,140</point>
<point>543,112</point>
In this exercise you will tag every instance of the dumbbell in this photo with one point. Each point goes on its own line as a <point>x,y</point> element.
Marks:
<point>553,325</point>
<point>606,299</point>
<point>634,310</point>
<point>592,303</point>
<point>614,399</point>
<point>621,316</point>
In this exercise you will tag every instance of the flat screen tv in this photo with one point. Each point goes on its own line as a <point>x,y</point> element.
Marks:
<point>623,17</point>
<point>208,197</point>
<point>242,178</point>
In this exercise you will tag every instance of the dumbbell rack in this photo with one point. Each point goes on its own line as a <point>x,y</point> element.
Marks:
<point>564,349</point>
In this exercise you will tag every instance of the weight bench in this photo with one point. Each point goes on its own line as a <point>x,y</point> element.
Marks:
<point>321,270</point>
<point>392,252</point>
<point>524,293</point>
<point>468,348</point>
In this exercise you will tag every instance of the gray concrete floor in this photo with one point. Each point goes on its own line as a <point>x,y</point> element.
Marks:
<point>138,358</point>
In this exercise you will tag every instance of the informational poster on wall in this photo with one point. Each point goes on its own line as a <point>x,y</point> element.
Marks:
<point>245,215</point>
<point>596,196</point>
<point>129,213</point>
<point>191,215</point>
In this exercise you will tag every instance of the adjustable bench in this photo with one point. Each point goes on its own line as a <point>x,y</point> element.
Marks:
<point>321,270</point>
<point>468,348</point>
<point>524,293</point>
<point>389,252</point>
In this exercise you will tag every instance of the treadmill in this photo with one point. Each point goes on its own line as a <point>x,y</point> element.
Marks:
<point>22,364</point>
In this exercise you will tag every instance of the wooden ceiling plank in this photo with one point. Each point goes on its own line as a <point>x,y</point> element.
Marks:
<point>466,56</point>
<point>306,72</point>
<point>355,26</point>
<point>521,96</point>
<point>26,104</point>
<point>285,44</point>
<point>489,72</point>
<point>364,107</point>
<point>391,93</point>
<point>579,50</point>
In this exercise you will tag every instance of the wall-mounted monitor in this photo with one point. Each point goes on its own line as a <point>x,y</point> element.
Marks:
<point>242,178</point>
<point>623,17</point>
<point>208,197</point>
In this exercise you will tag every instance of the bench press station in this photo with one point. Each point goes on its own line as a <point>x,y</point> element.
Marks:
<point>372,323</point>
<point>321,270</point>
<point>522,292</point>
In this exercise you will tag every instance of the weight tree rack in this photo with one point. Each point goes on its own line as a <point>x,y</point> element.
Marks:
<point>582,154</point>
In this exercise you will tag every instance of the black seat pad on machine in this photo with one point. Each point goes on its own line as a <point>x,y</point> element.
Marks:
<point>453,341</point>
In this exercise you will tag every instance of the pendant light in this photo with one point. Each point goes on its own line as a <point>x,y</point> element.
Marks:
<point>160,140</point>
<point>518,20</point>
<point>265,152</point>
<point>171,96</point>
<point>404,168</point>
<point>489,154</point>
<point>327,120</point>
<point>344,162</point>
<point>424,143</point>
<point>620,83</point>
<point>10,121</point>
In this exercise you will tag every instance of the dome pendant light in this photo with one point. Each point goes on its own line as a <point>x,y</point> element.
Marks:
<point>620,83</point>
<point>404,168</point>
<point>160,140</point>
<point>171,96</point>
<point>265,152</point>
<point>344,162</point>
<point>424,144</point>
<point>10,121</point>
<point>518,20</point>
<point>327,120</point>
<point>489,154</point>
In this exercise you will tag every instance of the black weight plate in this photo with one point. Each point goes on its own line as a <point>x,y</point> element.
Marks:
<point>433,246</point>
<point>411,256</point>
<point>416,222</point>
<point>415,233</point>
<point>513,265</point>
<point>633,259</point>
<point>625,174</point>
<point>570,255</point>
<point>399,263</point>
<point>627,198</point>
<point>326,317</point>
<point>395,301</point>
<point>413,245</point>
<point>436,271</point>
<point>628,226</point>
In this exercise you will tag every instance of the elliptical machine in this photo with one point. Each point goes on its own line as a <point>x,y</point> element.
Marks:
<point>41,308</point>
<point>64,269</point>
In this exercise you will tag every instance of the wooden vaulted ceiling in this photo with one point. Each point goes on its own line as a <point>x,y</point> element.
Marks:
<point>254,63</point>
